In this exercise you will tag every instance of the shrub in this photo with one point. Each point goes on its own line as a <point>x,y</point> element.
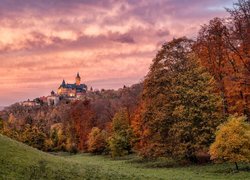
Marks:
<point>232,141</point>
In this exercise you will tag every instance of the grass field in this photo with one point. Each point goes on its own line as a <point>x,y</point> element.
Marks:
<point>18,161</point>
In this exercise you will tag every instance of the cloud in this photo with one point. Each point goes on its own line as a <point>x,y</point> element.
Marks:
<point>125,39</point>
<point>111,43</point>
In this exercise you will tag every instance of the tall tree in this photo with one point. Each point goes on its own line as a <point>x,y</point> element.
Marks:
<point>120,141</point>
<point>239,41</point>
<point>97,141</point>
<point>82,120</point>
<point>212,48</point>
<point>179,114</point>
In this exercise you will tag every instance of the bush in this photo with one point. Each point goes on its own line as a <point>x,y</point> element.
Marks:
<point>232,141</point>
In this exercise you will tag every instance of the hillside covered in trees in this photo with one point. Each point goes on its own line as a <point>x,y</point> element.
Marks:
<point>67,125</point>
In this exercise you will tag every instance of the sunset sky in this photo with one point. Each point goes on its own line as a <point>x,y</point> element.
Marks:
<point>110,42</point>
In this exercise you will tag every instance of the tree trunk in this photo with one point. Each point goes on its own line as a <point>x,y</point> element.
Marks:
<point>236,165</point>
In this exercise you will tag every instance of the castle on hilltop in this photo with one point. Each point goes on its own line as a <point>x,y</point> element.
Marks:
<point>65,91</point>
<point>75,90</point>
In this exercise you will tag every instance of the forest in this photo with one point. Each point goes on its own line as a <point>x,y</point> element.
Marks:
<point>193,105</point>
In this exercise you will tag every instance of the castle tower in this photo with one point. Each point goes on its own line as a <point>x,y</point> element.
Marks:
<point>63,83</point>
<point>78,79</point>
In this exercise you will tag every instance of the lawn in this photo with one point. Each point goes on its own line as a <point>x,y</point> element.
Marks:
<point>18,161</point>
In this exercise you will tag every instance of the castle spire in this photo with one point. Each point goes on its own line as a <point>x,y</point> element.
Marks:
<point>78,79</point>
<point>78,75</point>
<point>63,83</point>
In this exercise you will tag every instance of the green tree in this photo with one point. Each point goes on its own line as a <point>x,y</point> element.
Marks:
<point>55,137</point>
<point>232,143</point>
<point>121,138</point>
<point>97,141</point>
<point>180,112</point>
<point>58,139</point>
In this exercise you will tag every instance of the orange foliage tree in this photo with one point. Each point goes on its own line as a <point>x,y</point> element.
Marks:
<point>224,49</point>
<point>82,121</point>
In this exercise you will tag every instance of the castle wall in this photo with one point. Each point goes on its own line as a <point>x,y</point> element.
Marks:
<point>67,92</point>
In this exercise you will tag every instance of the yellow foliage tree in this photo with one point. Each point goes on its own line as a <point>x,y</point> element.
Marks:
<point>232,143</point>
<point>97,141</point>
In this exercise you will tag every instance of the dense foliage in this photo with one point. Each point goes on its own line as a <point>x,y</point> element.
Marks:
<point>232,141</point>
<point>223,46</point>
<point>120,141</point>
<point>181,111</point>
<point>66,127</point>
<point>97,141</point>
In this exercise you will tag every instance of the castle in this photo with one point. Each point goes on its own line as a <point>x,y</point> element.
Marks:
<point>67,91</point>
<point>75,90</point>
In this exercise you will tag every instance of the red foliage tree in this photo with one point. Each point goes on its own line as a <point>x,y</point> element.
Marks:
<point>82,121</point>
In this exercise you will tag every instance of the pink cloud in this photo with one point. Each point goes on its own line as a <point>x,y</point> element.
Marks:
<point>111,43</point>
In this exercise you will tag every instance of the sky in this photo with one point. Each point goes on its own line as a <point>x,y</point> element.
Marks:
<point>111,43</point>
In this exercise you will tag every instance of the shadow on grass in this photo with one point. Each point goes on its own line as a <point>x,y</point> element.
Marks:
<point>157,163</point>
<point>230,168</point>
<point>164,162</point>
<point>62,153</point>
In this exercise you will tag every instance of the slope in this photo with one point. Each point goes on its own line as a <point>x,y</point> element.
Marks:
<point>19,161</point>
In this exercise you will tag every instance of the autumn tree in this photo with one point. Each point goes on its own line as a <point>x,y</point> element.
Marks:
<point>180,110</point>
<point>239,43</point>
<point>82,121</point>
<point>33,136</point>
<point>97,141</point>
<point>121,137</point>
<point>232,141</point>
<point>138,126</point>
<point>130,97</point>
<point>223,46</point>
<point>58,140</point>
<point>9,128</point>
<point>212,49</point>
<point>1,125</point>
<point>239,40</point>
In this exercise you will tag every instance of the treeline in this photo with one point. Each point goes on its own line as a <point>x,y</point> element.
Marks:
<point>197,93</point>
<point>65,127</point>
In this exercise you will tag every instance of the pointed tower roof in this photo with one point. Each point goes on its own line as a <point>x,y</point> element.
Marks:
<point>78,75</point>
<point>63,84</point>
<point>52,93</point>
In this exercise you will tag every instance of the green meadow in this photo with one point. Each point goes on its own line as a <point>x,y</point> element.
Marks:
<point>19,161</point>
